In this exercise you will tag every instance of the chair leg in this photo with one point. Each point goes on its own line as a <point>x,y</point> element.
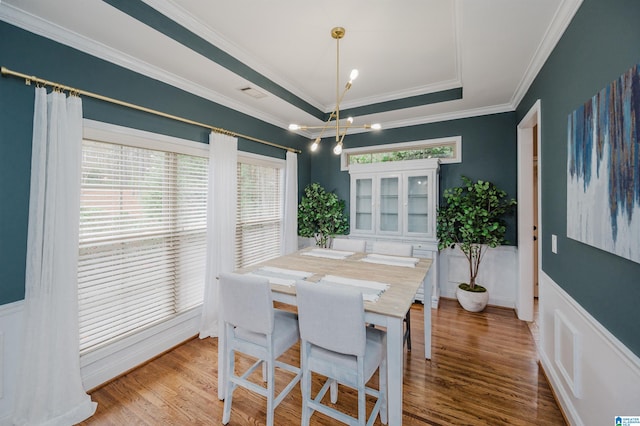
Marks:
<point>382,386</point>
<point>333,391</point>
<point>305,388</point>
<point>228,393</point>
<point>270,390</point>
<point>362,404</point>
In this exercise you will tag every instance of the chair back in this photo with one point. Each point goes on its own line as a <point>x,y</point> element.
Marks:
<point>348,244</point>
<point>246,302</point>
<point>331,317</point>
<point>392,249</point>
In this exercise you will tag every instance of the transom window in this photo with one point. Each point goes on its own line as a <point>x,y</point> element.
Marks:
<point>448,150</point>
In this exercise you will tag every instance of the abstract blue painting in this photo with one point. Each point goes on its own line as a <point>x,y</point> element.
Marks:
<point>603,169</point>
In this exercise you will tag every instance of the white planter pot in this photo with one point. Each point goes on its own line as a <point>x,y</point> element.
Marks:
<point>471,300</point>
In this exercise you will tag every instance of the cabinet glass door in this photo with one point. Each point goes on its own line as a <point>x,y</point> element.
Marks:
<point>418,204</point>
<point>364,204</point>
<point>389,204</point>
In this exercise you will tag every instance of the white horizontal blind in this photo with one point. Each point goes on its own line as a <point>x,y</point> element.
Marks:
<point>259,213</point>
<point>142,239</point>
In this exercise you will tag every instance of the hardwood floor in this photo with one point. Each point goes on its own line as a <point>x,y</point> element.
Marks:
<point>484,371</point>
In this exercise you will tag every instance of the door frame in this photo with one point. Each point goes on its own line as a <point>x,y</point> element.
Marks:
<point>524,293</point>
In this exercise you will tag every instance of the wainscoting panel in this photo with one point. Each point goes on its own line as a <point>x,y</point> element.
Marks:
<point>594,376</point>
<point>567,351</point>
<point>1,363</point>
<point>11,323</point>
<point>498,273</point>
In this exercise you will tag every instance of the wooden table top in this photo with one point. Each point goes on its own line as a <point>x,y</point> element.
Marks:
<point>404,281</point>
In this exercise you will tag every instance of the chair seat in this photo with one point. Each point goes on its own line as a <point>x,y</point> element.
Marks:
<point>343,367</point>
<point>285,333</point>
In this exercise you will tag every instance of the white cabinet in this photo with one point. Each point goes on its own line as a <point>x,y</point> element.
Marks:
<point>397,201</point>
<point>392,202</point>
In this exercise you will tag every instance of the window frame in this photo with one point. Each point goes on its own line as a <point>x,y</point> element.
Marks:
<point>104,363</point>
<point>265,161</point>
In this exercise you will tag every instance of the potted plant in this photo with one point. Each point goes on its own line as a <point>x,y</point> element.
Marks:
<point>472,218</point>
<point>321,215</point>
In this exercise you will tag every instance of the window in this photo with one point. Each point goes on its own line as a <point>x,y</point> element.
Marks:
<point>142,234</point>
<point>448,150</point>
<point>260,209</point>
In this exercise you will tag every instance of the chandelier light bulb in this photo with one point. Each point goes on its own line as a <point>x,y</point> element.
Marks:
<point>376,126</point>
<point>337,149</point>
<point>350,120</point>
<point>353,75</point>
<point>314,145</point>
<point>294,127</point>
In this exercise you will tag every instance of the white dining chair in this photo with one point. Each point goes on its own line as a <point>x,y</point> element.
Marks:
<point>335,343</point>
<point>348,244</point>
<point>391,248</point>
<point>397,249</point>
<point>255,328</point>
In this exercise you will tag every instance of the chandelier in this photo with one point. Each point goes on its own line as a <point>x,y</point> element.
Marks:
<point>337,33</point>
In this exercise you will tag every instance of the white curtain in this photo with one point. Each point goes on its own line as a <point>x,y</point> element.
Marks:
<point>50,390</point>
<point>221,224</point>
<point>290,227</point>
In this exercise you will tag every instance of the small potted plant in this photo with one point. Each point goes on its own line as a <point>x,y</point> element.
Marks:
<point>472,218</point>
<point>321,215</point>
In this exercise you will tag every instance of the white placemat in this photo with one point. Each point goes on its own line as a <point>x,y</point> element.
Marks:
<point>288,272</point>
<point>281,276</point>
<point>407,262</point>
<point>328,253</point>
<point>371,290</point>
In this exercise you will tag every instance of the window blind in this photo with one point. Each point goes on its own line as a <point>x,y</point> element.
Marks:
<point>259,213</point>
<point>142,239</point>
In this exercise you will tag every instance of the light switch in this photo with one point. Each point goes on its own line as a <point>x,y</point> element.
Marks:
<point>554,243</point>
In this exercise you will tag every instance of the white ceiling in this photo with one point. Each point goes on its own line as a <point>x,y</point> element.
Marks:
<point>490,48</point>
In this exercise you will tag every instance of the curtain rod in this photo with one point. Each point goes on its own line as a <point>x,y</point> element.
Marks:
<point>28,79</point>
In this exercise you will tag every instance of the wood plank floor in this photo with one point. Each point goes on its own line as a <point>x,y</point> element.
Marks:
<point>484,371</point>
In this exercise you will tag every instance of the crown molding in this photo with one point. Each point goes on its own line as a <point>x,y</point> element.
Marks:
<point>41,27</point>
<point>448,116</point>
<point>561,20</point>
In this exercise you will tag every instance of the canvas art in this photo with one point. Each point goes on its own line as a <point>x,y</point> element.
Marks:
<point>603,169</point>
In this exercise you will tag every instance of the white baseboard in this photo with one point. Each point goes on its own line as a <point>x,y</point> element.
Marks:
<point>594,376</point>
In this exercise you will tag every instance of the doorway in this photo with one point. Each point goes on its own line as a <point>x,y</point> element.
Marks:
<point>529,163</point>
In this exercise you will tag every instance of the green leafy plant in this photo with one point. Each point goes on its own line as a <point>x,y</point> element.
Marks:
<point>321,215</point>
<point>473,217</point>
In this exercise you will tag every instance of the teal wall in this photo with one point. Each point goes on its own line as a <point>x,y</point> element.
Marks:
<point>28,53</point>
<point>489,152</point>
<point>601,43</point>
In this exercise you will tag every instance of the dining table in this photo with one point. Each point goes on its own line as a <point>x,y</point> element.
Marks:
<point>395,281</point>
